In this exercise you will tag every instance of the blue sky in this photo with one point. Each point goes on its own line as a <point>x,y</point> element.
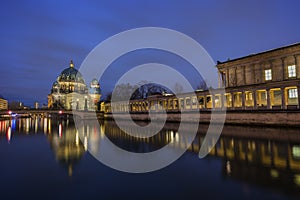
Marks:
<point>38,38</point>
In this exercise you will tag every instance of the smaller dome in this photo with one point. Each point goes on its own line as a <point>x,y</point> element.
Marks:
<point>55,83</point>
<point>94,87</point>
<point>94,82</point>
<point>55,87</point>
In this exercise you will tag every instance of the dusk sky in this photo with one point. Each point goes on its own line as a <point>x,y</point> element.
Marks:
<point>38,38</point>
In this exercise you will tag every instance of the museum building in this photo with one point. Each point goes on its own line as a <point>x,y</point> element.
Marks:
<point>268,80</point>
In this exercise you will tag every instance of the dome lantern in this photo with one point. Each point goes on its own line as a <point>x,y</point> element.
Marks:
<point>71,64</point>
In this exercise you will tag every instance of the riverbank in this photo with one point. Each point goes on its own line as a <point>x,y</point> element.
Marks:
<point>233,117</point>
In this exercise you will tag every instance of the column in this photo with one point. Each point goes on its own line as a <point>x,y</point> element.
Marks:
<point>232,99</point>
<point>212,101</point>
<point>298,91</point>
<point>243,99</point>
<point>268,99</point>
<point>282,68</point>
<point>219,79</point>
<point>253,73</point>
<point>297,66</point>
<point>227,78</point>
<point>222,100</point>
<point>261,72</point>
<point>254,99</point>
<point>244,74</point>
<point>283,103</point>
<point>235,74</point>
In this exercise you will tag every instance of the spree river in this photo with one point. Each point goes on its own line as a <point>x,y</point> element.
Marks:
<point>44,158</point>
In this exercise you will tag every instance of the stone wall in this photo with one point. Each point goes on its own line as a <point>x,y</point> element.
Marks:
<point>243,117</point>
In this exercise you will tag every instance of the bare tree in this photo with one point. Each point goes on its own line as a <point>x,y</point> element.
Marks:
<point>178,88</point>
<point>123,91</point>
<point>202,85</point>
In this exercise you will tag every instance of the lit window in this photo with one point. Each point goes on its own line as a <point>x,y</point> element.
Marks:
<point>296,152</point>
<point>292,71</point>
<point>268,74</point>
<point>293,93</point>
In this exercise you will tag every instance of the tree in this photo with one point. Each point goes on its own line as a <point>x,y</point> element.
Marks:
<point>202,85</point>
<point>178,88</point>
<point>123,91</point>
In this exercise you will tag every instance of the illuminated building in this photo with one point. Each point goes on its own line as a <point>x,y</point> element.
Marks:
<point>36,105</point>
<point>69,91</point>
<point>267,80</point>
<point>3,103</point>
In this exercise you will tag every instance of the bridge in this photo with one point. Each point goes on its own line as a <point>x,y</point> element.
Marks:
<point>50,113</point>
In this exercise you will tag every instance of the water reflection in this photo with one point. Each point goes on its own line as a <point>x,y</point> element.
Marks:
<point>66,146</point>
<point>8,134</point>
<point>257,155</point>
<point>269,157</point>
<point>63,138</point>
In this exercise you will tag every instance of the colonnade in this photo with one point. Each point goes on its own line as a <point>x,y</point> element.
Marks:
<point>283,97</point>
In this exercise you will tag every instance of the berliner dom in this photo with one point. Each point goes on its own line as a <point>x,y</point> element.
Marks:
<point>69,91</point>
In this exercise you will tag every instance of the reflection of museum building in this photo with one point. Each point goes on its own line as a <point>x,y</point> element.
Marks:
<point>69,91</point>
<point>266,80</point>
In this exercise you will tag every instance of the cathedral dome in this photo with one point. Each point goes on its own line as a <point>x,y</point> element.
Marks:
<point>70,75</point>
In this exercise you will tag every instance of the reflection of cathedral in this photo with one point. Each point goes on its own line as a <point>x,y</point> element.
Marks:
<point>67,147</point>
<point>69,91</point>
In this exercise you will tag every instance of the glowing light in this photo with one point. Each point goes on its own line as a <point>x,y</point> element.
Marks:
<point>27,127</point>
<point>177,137</point>
<point>8,134</point>
<point>296,152</point>
<point>297,179</point>
<point>102,130</point>
<point>60,130</point>
<point>45,125</point>
<point>228,167</point>
<point>35,125</point>
<point>274,173</point>
<point>49,125</point>
<point>60,112</point>
<point>77,139</point>
<point>85,143</point>
<point>9,112</point>
<point>13,124</point>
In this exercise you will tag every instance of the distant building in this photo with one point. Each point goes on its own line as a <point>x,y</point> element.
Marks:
<point>69,91</point>
<point>3,104</point>
<point>16,105</point>
<point>36,105</point>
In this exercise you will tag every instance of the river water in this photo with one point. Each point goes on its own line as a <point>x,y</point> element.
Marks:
<point>44,158</point>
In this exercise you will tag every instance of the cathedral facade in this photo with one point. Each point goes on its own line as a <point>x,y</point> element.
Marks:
<point>69,91</point>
